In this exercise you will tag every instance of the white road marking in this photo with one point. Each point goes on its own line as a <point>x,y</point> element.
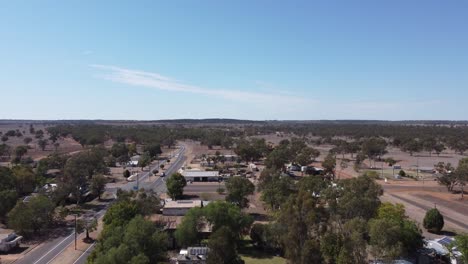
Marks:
<point>84,253</point>
<point>53,248</point>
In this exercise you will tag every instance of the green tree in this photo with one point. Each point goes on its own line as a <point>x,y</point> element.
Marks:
<point>144,160</point>
<point>354,198</point>
<point>20,151</point>
<point>461,174</point>
<point>251,150</point>
<point>33,216</point>
<point>153,149</point>
<point>355,233</point>
<point>137,241</point>
<point>175,185</point>
<point>88,225</point>
<point>433,221</point>
<point>80,168</point>
<point>439,148</point>
<point>7,179</point>
<point>447,177</point>
<point>461,242</point>
<point>98,185</point>
<point>8,198</point>
<point>132,149</point>
<point>25,179</point>
<point>374,147</point>
<point>258,234</point>
<point>300,217</point>
<point>429,144</point>
<point>223,248</point>
<point>385,239</point>
<point>119,214</point>
<point>329,165</point>
<point>5,150</point>
<point>27,140</point>
<point>275,189</point>
<point>392,234</point>
<point>187,233</point>
<point>277,158</point>
<point>221,214</point>
<point>126,173</point>
<point>264,236</point>
<point>306,156</point>
<point>238,189</point>
<point>395,212</point>
<point>411,146</point>
<point>42,143</point>
<point>119,149</point>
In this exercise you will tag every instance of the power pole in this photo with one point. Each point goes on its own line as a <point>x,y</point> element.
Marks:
<point>417,168</point>
<point>138,181</point>
<point>76,225</point>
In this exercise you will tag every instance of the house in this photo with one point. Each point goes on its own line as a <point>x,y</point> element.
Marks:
<point>200,176</point>
<point>134,161</point>
<point>49,187</point>
<point>440,247</point>
<point>170,224</point>
<point>8,240</point>
<point>193,255</point>
<point>181,207</point>
<point>293,167</point>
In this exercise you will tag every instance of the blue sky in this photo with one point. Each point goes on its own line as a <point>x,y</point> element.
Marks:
<point>234,59</point>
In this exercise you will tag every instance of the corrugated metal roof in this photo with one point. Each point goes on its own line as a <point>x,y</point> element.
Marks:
<point>200,174</point>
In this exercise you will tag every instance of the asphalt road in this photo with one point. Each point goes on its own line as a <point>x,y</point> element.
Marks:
<point>425,207</point>
<point>158,186</point>
<point>203,187</point>
<point>48,251</point>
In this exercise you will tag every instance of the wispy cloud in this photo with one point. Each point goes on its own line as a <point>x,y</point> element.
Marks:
<point>161,82</point>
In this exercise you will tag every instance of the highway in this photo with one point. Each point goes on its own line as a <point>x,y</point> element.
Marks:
<point>201,187</point>
<point>48,251</point>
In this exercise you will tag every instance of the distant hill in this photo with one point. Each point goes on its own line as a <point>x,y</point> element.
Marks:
<point>228,121</point>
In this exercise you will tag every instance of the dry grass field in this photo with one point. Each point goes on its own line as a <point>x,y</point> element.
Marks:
<point>66,145</point>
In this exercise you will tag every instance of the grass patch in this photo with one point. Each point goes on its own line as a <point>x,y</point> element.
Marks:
<point>252,255</point>
<point>270,260</point>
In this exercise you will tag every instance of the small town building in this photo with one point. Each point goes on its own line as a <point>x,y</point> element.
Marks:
<point>193,255</point>
<point>200,176</point>
<point>181,207</point>
<point>134,160</point>
<point>440,247</point>
<point>8,240</point>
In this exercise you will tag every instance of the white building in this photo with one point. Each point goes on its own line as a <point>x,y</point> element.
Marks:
<point>8,240</point>
<point>440,246</point>
<point>181,207</point>
<point>193,255</point>
<point>200,176</point>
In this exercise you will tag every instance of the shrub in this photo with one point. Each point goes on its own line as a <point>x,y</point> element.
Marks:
<point>371,174</point>
<point>402,173</point>
<point>433,221</point>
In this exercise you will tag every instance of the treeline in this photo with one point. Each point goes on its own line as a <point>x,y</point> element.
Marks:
<point>410,138</point>
<point>357,131</point>
<point>98,134</point>
<point>317,221</point>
